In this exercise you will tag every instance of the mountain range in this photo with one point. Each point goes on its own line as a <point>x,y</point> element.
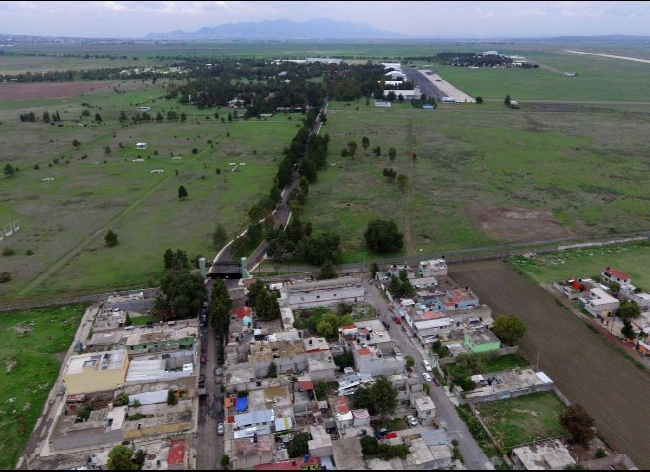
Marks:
<point>319,28</point>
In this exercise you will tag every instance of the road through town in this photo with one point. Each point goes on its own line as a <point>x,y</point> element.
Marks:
<point>472,454</point>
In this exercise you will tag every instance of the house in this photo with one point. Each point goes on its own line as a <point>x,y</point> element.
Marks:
<point>547,455</point>
<point>481,340</point>
<point>599,303</point>
<point>88,373</point>
<point>347,454</point>
<point>630,292</point>
<point>319,359</point>
<point>375,361</point>
<point>432,327</point>
<point>141,146</point>
<point>414,94</point>
<point>256,418</point>
<point>426,409</point>
<point>321,443</point>
<point>324,60</point>
<point>507,384</point>
<point>432,268</point>
<point>574,288</point>
<point>612,275</point>
<point>325,292</point>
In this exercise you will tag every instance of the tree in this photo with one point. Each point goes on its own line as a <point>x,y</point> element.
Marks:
<point>325,329</point>
<point>107,150</point>
<point>120,458</point>
<point>273,371</point>
<point>628,310</point>
<point>219,237</point>
<point>9,170</point>
<point>110,238</point>
<point>182,193</point>
<point>628,331</point>
<point>352,148</point>
<point>225,461</point>
<point>362,399</point>
<point>171,397</point>
<point>369,445</point>
<point>328,271</point>
<point>127,320</point>
<point>5,277</point>
<point>267,307</point>
<point>365,143</point>
<point>308,229</point>
<point>383,236</point>
<point>98,118</point>
<point>392,154</point>
<point>160,309</point>
<point>229,117</point>
<point>159,117</point>
<point>410,362</point>
<point>253,292</point>
<point>479,100</point>
<point>374,268</point>
<point>76,143</point>
<point>123,117</point>
<point>320,248</point>
<point>298,446</point>
<point>184,292</point>
<point>509,329</point>
<point>507,100</point>
<point>377,151</point>
<point>577,422</point>
<point>183,117</point>
<point>402,181</point>
<point>384,396</point>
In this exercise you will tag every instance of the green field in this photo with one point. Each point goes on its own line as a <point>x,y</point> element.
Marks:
<point>32,345</point>
<point>484,174</point>
<point>589,262</point>
<point>523,419</point>
<point>599,79</point>
<point>64,221</point>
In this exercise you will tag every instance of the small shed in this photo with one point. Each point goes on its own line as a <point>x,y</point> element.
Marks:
<point>141,146</point>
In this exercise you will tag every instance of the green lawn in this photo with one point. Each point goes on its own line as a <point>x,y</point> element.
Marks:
<point>483,174</point>
<point>523,419</point>
<point>578,263</point>
<point>32,344</point>
<point>64,221</point>
<point>508,362</point>
<point>140,320</point>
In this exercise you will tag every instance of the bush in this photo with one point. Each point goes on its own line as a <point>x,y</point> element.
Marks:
<point>5,277</point>
<point>8,251</point>
<point>369,445</point>
<point>600,453</point>
<point>383,236</point>
<point>171,398</point>
<point>298,446</point>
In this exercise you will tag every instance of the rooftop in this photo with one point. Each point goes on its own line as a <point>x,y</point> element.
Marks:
<point>347,454</point>
<point>507,381</point>
<point>548,455</point>
<point>315,344</point>
<point>103,361</point>
<point>619,274</point>
<point>481,336</point>
<point>324,284</point>
<point>266,351</point>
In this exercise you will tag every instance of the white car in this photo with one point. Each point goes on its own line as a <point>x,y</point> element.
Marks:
<point>427,366</point>
<point>220,429</point>
<point>412,420</point>
<point>427,377</point>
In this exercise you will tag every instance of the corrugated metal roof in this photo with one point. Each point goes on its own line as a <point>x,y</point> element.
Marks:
<point>256,417</point>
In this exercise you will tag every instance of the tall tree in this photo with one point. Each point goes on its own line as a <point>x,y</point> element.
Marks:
<point>219,237</point>
<point>628,310</point>
<point>120,458</point>
<point>384,396</point>
<point>365,143</point>
<point>110,238</point>
<point>507,100</point>
<point>352,148</point>
<point>9,170</point>
<point>509,329</point>
<point>392,153</point>
<point>98,118</point>
<point>184,292</point>
<point>383,236</point>
<point>402,181</point>
<point>374,268</point>
<point>182,193</point>
<point>328,271</point>
<point>627,330</point>
<point>577,422</point>
<point>267,307</point>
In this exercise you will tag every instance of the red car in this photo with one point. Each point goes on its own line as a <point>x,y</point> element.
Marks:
<point>397,320</point>
<point>204,360</point>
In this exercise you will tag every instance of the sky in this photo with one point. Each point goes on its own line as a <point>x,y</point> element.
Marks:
<point>463,19</point>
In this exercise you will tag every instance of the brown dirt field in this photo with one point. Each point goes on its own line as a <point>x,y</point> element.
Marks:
<point>518,224</point>
<point>583,365</point>
<point>19,91</point>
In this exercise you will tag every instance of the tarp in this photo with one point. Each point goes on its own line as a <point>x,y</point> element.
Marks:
<point>242,404</point>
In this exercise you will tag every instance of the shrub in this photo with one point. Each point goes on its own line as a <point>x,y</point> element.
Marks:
<point>369,445</point>
<point>600,453</point>
<point>5,277</point>
<point>8,251</point>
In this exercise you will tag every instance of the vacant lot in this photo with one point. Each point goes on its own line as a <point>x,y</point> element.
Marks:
<point>96,189</point>
<point>16,91</point>
<point>483,174</point>
<point>523,419</point>
<point>582,364</point>
<point>579,263</point>
<point>32,343</point>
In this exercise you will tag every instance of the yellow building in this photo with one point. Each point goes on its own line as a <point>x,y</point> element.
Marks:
<point>95,372</point>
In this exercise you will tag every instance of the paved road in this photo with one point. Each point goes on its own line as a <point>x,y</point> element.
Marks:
<point>426,86</point>
<point>209,446</point>
<point>583,365</point>
<point>472,454</point>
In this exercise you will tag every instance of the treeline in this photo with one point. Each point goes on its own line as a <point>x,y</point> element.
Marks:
<point>351,82</point>
<point>90,74</point>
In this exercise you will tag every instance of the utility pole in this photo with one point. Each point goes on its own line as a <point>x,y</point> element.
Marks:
<point>537,360</point>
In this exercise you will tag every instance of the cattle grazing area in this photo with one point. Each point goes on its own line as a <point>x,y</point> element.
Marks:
<point>589,262</point>
<point>32,346</point>
<point>79,177</point>
<point>483,174</point>
<point>581,363</point>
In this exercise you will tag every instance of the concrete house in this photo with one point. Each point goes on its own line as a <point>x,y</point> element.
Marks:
<point>599,303</point>
<point>612,275</point>
<point>325,292</point>
<point>548,455</point>
<point>92,372</point>
<point>481,340</point>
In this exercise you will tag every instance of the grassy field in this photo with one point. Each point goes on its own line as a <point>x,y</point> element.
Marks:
<point>32,344</point>
<point>589,262</point>
<point>484,174</point>
<point>10,64</point>
<point>64,221</point>
<point>523,419</point>
<point>599,79</point>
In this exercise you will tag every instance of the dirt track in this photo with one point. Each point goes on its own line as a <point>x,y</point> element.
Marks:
<point>582,364</point>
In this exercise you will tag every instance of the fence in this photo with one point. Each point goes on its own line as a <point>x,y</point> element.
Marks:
<point>148,293</point>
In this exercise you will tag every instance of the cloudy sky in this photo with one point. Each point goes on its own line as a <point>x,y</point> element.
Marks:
<point>431,19</point>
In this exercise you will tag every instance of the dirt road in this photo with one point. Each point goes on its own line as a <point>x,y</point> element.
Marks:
<point>582,364</point>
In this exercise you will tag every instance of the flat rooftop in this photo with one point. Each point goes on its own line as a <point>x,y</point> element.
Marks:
<point>508,381</point>
<point>101,361</point>
<point>324,284</point>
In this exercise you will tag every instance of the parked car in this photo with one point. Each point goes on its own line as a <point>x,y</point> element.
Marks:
<point>204,360</point>
<point>397,320</point>
<point>218,371</point>
<point>426,376</point>
<point>220,429</point>
<point>427,365</point>
<point>412,420</point>
<point>201,378</point>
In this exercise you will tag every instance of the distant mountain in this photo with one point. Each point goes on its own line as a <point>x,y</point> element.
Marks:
<point>320,28</point>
